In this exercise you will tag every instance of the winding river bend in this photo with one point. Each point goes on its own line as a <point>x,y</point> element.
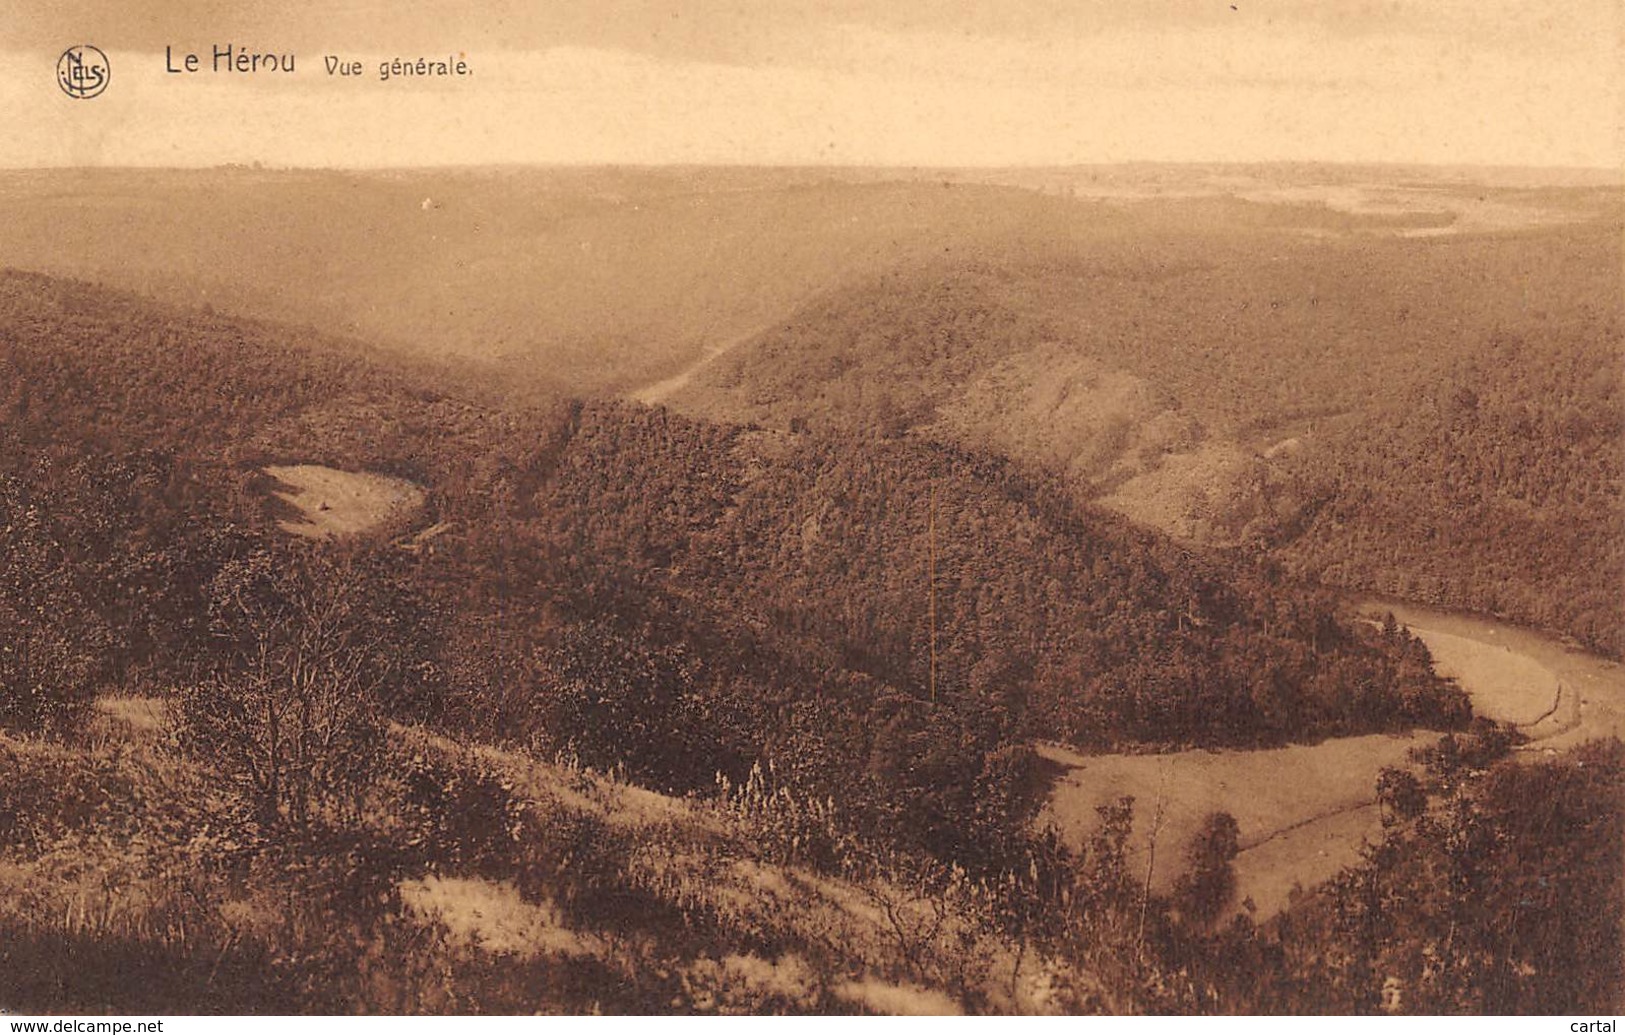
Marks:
<point>1305,810</point>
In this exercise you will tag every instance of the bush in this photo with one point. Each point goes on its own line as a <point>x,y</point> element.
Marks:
<point>308,651</point>
<point>54,649</point>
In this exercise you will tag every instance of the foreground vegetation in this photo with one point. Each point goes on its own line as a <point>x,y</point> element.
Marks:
<point>463,879</point>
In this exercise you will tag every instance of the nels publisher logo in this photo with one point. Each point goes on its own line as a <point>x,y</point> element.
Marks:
<point>83,72</point>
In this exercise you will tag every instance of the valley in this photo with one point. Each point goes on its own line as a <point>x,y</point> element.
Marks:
<point>1305,812</point>
<point>819,590</point>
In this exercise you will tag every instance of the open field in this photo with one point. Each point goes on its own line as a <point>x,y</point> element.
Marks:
<point>339,503</point>
<point>1303,811</point>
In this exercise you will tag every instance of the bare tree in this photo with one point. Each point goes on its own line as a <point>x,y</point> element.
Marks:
<point>54,647</point>
<point>290,713</point>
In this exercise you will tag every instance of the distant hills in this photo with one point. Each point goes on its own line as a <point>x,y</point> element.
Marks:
<point>607,280</point>
<point>1435,417</point>
<point>718,595</point>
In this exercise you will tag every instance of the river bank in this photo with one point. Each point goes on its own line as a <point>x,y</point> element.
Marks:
<point>1304,811</point>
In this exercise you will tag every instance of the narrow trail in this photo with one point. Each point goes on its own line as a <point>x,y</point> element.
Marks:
<point>660,391</point>
<point>1248,844</point>
<point>1564,700</point>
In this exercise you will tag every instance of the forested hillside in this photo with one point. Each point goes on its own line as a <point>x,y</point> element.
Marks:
<point>711,710</point>
<point>683,598</point>
<point>1497,890</point>
<point>1435,418</point>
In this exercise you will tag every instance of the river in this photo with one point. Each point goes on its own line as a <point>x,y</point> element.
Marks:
<point>1305,810</point>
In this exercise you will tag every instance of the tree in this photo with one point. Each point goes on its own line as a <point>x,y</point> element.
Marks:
<point>54,648</point>
<point>1400,794</point>
<point>1210,883</point>
<point>292,709</point>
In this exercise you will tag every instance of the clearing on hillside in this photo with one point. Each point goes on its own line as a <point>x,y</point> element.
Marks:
<point>338,503</point>
<point>1303,810</point>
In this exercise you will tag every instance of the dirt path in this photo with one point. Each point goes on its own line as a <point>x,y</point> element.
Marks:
<point>660,391</point>
<point>1304,811</point>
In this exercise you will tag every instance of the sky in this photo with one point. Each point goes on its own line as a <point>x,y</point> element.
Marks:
<point>846,82</point>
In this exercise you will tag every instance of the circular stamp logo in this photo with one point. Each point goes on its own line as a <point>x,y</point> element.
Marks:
<point>83,72</point>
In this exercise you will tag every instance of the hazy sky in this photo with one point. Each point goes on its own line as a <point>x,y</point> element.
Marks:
<point>912,82</point>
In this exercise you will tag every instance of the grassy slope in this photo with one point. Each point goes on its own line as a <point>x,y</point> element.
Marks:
<point>127,885</point>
